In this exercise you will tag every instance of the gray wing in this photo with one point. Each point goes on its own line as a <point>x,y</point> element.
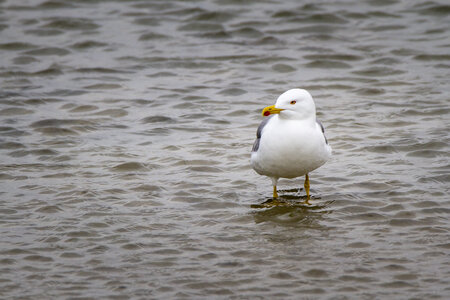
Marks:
<point>259,133</point>
<point>323,130</point>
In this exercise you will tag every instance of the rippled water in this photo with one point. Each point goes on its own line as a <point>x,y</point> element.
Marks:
<point>126,129</point>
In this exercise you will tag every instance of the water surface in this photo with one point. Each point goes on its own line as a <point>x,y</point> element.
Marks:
<point>126,130</point>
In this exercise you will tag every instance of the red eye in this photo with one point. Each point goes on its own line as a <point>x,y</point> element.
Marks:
<point>293,102</point>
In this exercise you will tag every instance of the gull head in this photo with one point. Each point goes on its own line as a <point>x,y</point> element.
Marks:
<point>293,104</point>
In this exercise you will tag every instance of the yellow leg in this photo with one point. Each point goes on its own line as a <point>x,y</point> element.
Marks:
<point>307,188</point>
<point>275,194</point>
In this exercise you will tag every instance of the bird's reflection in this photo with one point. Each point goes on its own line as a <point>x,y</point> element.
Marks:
<point>292,210</point>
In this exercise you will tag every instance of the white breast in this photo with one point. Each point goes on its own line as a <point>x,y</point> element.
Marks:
<point>290,148</point>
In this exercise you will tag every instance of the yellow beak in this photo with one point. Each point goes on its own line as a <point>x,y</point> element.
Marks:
<point>271,110</point>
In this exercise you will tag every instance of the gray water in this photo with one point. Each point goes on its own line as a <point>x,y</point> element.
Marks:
<point>126,130</point>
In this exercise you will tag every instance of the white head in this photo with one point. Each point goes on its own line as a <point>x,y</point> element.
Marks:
<point>297,103</point>
<point>293,104</point>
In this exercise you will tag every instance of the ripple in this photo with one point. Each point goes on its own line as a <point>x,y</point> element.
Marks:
<point>158,119</point>
<point>358,245</point>
<point>48,51</point>
<point>11,145</point>
<point>147,21</point>
<point>38,258</point>
<point>337,57</point>
<point>435,9</point>
<point>38,152</point>
<point>370,91</point>
<point>84,108</point>
<point>427,153</point>
<point>87,45</point>
<point>98,70</point>
<point>131,166</point>
<point>205,169</point>
<point>44,32</point>
<point>103,86</point>
<point>216,16</point>
<point>282,68</point>
<point>386,27</point>
<point>432,57</point>
<point>378,71</point>
<point>71,24</point>
<point>316,273</point>
<point>201,27</point>
<point>404,222</point>
<point>11,131</point>
<point>54,5</point>
<point>152,36</point>
<point>232,92</point>
<point>282,275</point>
<point>163,74</point>
<point>14,46</point>
<point>113,113</point>
<point>323,18</point>
<point>248,32</point>
<point>216,121</point>
<point>49,209</point>
<point>60,122</point>
<point>51,131</point>
<point>327,64</point>
<point>24,60</point>
<point>14,111</point>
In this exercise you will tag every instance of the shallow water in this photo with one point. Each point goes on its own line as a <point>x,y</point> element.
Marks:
<point>126,129</point>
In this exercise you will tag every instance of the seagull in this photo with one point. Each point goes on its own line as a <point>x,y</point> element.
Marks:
<point>290,142</point>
